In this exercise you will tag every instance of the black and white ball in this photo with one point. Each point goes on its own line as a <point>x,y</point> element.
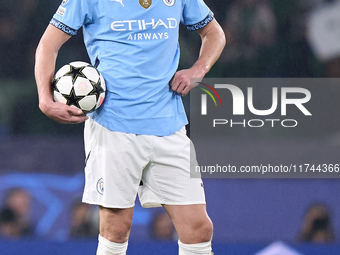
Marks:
<point>79,84</point>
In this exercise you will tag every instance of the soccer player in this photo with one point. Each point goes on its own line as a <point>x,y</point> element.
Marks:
<point>136,141</point>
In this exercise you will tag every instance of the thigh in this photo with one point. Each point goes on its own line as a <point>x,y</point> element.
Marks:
<point>167,179</point>
<point>114,166</point>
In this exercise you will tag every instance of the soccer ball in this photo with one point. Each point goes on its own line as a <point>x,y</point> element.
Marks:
<point>79,84</point>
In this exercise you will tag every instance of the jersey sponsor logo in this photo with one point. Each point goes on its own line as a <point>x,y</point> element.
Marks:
<point>64,2</point>
<point>100,186</point>
<point>143,25</point>
<point>130,25</point>
<point>119,1</point>
<point>145,3</point>
<point>61,11</point>
<point>169,2</point>
<point>148,36</point>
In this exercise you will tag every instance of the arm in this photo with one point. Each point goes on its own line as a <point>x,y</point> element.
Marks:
<point>45,60</point>
<point>213,42</point>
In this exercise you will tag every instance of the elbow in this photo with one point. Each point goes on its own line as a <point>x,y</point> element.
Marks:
<point>224,39</point>
<point>222,36</point>
<point>39,52</point>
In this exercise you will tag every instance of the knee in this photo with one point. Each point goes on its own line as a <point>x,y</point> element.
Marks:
<point>115,224</point>
<point>199,232</point>
<point>121,233</point>
<point>118,233</point>
<point>205,231</point>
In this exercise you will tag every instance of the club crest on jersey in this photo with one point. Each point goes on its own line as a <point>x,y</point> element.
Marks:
<point>169,2</point>
<point>100,186</point>
<point>145,3</point>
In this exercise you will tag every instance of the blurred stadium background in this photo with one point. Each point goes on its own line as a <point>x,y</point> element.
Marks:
<point>41,162</point>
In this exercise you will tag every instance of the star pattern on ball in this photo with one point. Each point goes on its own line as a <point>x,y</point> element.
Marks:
<point>75,72</point>
<point>97,89</point>
<point>87,94</point>
<point>72,98</point>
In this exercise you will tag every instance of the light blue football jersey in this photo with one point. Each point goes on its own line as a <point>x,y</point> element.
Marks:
<point>134,44</point>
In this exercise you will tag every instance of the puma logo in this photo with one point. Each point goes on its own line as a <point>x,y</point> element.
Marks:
<point>119,1</point>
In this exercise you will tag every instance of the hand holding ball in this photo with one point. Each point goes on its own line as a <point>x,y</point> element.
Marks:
<point>79,84</point>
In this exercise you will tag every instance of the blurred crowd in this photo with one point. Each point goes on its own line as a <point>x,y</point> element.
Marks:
<point>266,38</point>
<point>16,222</point>
<point>21,25</point>
<point>317,226</point>
<point>17,208</point>
<point>15,214</point>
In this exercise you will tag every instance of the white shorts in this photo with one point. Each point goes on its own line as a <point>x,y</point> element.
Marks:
<point>118,165</point>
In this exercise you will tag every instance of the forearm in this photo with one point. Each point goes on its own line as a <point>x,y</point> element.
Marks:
<point>45,59</point>
<point>213,43</point>
<point>44,71</point>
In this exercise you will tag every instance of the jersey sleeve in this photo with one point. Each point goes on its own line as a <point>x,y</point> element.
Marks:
<point>71,15</point>
<point>196,14</point>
